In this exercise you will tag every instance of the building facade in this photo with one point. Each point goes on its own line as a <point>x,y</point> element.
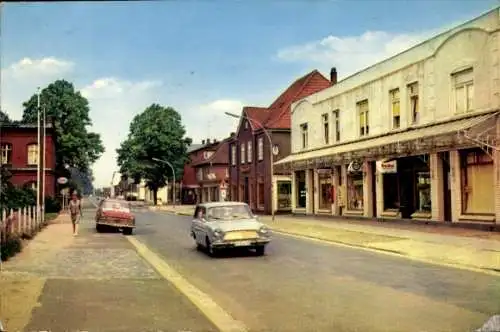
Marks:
<point>415,136</point>
<point>20,155</point>
<point>211,169</point>
<point>263,137</point>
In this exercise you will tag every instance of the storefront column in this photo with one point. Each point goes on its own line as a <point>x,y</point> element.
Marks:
<point>315,190</point>
<point>343,188</point>
<point>455,186</point>
<point>496,176</point>
<point>335,182</point>
<point>309,191</point>
<point>294,192</point>
<point>379,192</point>
<point>437,188</point>
<point>367,190</point>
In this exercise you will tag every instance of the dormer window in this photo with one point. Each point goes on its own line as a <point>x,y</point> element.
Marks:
<point>207,154</point>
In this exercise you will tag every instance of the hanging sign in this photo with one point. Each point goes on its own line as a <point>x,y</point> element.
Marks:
<point>387,167</point>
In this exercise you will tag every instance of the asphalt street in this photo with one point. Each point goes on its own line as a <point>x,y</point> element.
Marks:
<point>308,286</point>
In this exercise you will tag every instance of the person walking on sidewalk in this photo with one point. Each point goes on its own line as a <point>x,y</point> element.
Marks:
<point>75,210</point>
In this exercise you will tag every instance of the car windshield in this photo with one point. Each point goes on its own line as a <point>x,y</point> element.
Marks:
<point>113,205</point>
<point>229,212</point>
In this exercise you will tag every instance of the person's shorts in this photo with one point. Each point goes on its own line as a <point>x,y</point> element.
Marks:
<point>75,218</point>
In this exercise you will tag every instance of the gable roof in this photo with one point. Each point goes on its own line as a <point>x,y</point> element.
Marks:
<point>220,156</point>
<point>279,114</point>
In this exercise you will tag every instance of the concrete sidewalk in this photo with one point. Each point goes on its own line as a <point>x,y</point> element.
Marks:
<point>91,282</point>
<point>461,248</point>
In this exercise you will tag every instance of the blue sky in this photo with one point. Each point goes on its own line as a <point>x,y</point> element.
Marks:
<point>201,57</point>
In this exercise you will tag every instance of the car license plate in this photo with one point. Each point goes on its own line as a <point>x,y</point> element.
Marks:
<point>243,243</point>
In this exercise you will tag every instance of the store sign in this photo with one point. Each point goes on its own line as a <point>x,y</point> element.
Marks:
<point>324,171</point>
<point>385,167</point>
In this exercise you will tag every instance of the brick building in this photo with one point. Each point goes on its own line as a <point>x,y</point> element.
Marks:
<point>250,151</point>
<point>20,155</point>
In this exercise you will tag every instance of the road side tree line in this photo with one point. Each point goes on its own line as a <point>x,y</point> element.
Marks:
<point>156,133</point>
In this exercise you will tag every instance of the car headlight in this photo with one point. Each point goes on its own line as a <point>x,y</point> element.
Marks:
<point>264,230</point>
<point>218,233</point>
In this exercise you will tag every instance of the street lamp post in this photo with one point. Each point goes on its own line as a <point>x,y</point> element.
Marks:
<point>271,155</point>
<point>173,176</point>
<point>112,189</point>
<point>38,168</point>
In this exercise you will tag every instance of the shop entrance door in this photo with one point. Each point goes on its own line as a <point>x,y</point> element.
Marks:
<point>445,157</point>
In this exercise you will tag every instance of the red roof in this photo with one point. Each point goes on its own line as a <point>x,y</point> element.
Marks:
<point>220,156</point>
<point>279,114</point>
<point>258,116</point>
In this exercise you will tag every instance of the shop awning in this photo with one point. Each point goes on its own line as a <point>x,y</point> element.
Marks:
<point>422,139</point>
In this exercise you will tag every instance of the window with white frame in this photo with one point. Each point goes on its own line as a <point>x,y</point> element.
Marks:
<point>233,154</point>
<point>33,154</point>
<point>395,108</point>
<point>336,124</point>
<point>6,153</point>
<point>413,102</point>
<point>260,148</point>
<point>303,133</point>
<point>463,83</point>
<point>364,125</point>
<point>326,128</point>
<point>249,151</point>
<point>242,147</point>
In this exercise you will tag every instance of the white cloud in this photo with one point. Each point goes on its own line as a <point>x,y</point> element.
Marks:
<point>353,53</point>
<point>20,80</point>
<point>113,104</point>
<point>209,121</point>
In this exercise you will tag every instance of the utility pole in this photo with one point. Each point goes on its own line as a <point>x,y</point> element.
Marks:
<point>43,164</point>
<point>38,182</point>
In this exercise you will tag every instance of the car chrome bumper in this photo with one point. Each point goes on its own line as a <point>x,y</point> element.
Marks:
<point>113,224</point>
<point>240,243</point>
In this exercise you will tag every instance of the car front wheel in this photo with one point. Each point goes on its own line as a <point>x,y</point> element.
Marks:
<point>260,250</point>
<point>212,252</point>
<point>128,231</point>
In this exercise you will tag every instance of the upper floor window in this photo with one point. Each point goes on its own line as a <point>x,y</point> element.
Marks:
<point>207,154</point>
<point>6,153</point>
<point>249,151</point>
<point>336,123</point>
<point>303,133</point>
<point>463,82</point>
<point>364,125</point>
<point>326,128</point>
<point>199,174</point>
<point>260,148</point>
<point>395,108</point>
<point>233,154</point>
<point>242,153</point>
<point>33,154</point>
<point>246,124</point>
<point>413,102</point>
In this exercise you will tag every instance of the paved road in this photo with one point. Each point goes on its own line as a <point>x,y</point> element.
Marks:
<point>306,286</point>
<point>99,283</point>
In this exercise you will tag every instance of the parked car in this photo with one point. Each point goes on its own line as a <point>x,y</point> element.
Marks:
<point>220,225</point>
<point>114,213</point>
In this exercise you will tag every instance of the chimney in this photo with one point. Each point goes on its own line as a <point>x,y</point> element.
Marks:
<point>215,140</point>
<point>232,134</point>
<point>333,76</point>
<point>208,140</point>
<point>203,142</point>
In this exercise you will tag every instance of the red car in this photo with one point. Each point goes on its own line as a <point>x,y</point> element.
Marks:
<point>115,214</point>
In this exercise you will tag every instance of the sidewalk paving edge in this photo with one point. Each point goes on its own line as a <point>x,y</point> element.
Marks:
<point>392,253</point>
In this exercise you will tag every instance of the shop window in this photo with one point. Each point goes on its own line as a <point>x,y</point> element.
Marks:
<point>326,128</point>
<point>478,190</point>
<point>284,195</point>
<point>364,126</point>
<point>6,153</point>
<point>325,187</point>
<point>391,191</point>
<point>413,102</point>
<point>33,154</point>
<point>395,108</point>
<point>300,187</point>
<point>464,90</point>
<point>233,154</point>
<point>303,132</point>
<point>260,148</point>
<point>355,191</point>
<point>424,192</point>
<point>336,123</point>
<point>249,151</point>
<point>242,152</point>
<point>261,194</point>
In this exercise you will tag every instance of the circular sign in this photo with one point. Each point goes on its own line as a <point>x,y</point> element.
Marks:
<point>276,150</point>
<point>62,180</point>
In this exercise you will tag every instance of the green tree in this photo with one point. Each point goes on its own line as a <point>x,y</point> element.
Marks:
<point>68,111</point>
<point>157,132</point>
<point>4,118</point>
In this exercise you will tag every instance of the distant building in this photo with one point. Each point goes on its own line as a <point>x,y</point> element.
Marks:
<point>20,155</point>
